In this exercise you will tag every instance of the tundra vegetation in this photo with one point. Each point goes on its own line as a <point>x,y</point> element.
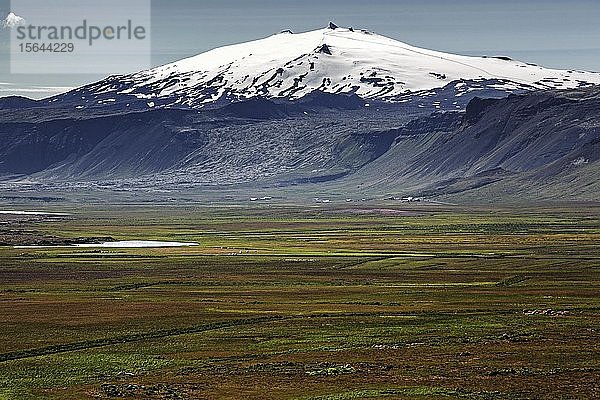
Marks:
<point>326,301</point>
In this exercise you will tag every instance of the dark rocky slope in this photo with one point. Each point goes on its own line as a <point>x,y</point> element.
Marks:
<point>542,145</point>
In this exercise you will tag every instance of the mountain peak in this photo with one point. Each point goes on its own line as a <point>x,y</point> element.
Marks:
<point>332,60</point>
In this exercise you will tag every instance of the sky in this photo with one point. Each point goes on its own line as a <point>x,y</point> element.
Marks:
<point>553,33</point>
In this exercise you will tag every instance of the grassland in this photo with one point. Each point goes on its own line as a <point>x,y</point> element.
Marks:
<point>305,302</point>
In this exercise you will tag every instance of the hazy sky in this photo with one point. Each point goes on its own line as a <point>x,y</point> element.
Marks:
<point>553,33</point>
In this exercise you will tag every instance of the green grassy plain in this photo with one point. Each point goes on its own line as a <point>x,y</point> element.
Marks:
<point>307,302</point>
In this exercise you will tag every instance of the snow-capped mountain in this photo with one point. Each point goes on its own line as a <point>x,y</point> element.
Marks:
<point>290,113</point>
<point>333,60</point>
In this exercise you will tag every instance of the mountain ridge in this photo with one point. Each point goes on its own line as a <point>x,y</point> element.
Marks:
<point>457,136</point>
<point>332,60</point>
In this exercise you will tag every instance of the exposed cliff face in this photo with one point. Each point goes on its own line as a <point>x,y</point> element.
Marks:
<point>544,145</point>
<point>541,145</point>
